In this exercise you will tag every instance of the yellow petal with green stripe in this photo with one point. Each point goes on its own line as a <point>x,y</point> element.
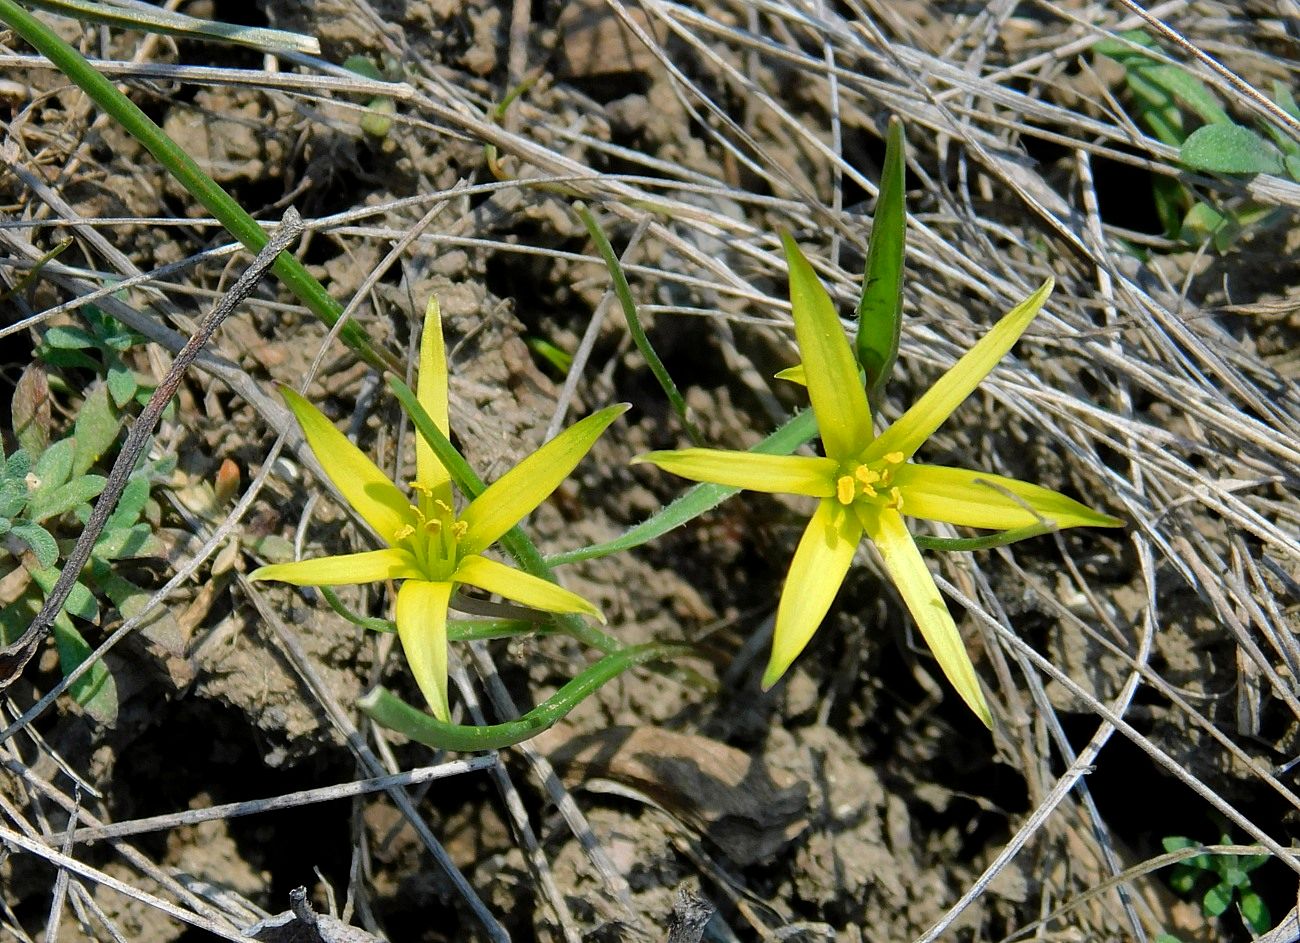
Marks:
<point>422,626</point>
<point>342,570</point>
<point>514,495</point>
<point>908,571</point>
<point>431,391</point>
<point>939,402</point>
<point>521,587</point>
<point>837,396</point>
<point>773,474</point>
<point>374,496</point>
<point>977,499</point>
<point>816,572</point>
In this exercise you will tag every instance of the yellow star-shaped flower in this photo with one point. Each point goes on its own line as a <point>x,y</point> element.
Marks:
<point>867,483</point>
<point>430,548</point>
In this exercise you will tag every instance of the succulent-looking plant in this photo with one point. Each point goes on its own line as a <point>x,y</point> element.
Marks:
<point>865,483</point>
<point>431,548</point>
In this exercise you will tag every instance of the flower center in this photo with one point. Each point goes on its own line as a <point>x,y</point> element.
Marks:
<point>431,534</point>
<point>871,482</point>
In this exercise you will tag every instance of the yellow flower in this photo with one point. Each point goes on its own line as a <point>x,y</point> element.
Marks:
<point>431,548</point>
<point>867,483</point>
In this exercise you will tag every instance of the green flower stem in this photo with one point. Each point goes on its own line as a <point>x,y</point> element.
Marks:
<point>385,708</point>
<point>624,292</point>
<point>516,542</point>
<point>202,187</point>
<point>700,498</point>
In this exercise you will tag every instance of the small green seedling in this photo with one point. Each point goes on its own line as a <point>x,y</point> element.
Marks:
<point>97,344</point>
<point>378,119</point>
<point>45,496</point>
<point>1169,99</point>
<point>1231,875</point>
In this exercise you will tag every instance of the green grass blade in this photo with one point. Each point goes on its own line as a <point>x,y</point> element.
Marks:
<point>700,498</point>
<point>178,24</point>
<point>624,293</point>
<point>880,310</point>
<point>386,708</point>
<point>179,164</point>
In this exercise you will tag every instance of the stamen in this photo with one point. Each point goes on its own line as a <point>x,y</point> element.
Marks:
<point>869,491</point>
<point>894,458</point>
<point>459,529</point>
<point>443,506</point>
<point>419,488</point>
<point>896,499</point>
<point>432,527</point>
<point>844,490</point>
<point>406,530</point>
<point>868,476</point>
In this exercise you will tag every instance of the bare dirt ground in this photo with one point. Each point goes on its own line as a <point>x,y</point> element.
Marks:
<point>1143,680</point>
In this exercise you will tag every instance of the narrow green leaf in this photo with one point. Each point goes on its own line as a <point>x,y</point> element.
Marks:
<point>122,384</point>
<point>96,429</point>
<point>696,501</point>
<point>389,710</point>
<point>69,337</point>
<point>1230,149</point>
<point>130,505</point>
<point>81,601</point>
<point>880,310</point>
<point>624,293</point>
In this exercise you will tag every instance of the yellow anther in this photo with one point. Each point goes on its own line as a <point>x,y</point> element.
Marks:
<point>868,476</point>
<point>406,530</point>
<point>459,529</point>
<point>443,506</point>
<point>844,490</point>
<point>894,458</point>
<point>896,499</point>
<point>869,491</point>
<point>419,488</point>
<point>432,527</point>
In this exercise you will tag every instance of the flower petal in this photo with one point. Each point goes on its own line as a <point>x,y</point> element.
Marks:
<point>364,486</point>
<point>342,570</point>
<point>431,391</point>
<point>938,402</point>
<point>522,587</point>
<point>820,561</point>
<point>773,474</point>
<point>510,498</point>
<point>421,619</point>
<point>837,395</point>
<point>975,499</point>
<point>907,569</point>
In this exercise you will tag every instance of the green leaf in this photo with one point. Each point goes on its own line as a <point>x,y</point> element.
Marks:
<point>18,465</point>
<point>390,711</point>
<point>122,385</point>
<point>130,504</point>
<point>13,497</point>
<point>1174,843</point>
<point>1292,164</point>
<point>95,691</point>
<point>80,603</point>
<point>54,466</point>
<point>1182,878</point>
<point>694,502</point>
<point>363,66</point>
<point>95,431</point>
<point>31,409</point>
<point>1230,149</point>
<point>880,309</point>
<point>66,337</point>
<point>1255,912</point>
<point>1217,899</point>
<point>45,504</point>
<point>38,539</point>
<point>127,542</point>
